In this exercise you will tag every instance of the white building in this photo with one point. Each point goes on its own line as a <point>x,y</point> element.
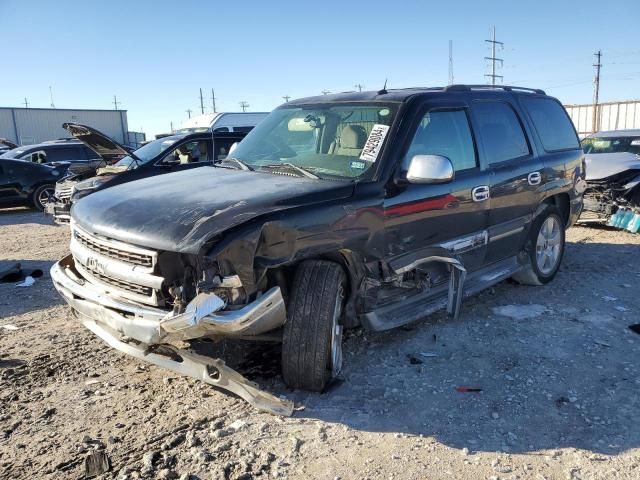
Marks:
<point>26,126</point>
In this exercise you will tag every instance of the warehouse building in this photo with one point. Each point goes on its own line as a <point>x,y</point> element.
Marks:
<point>26,126</point>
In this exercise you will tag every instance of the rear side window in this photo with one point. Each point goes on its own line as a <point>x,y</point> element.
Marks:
<point>552,124</point>
<point>62,154</point>
<point>446,133</point>
<point>501,131</point>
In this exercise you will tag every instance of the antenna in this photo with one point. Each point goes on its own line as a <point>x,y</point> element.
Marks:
<point>244,105</point>
<point>384,88</point>
<point>286,98</point>
<point>213,100</point>
<point>450,62</point>
<point>493,58</point>
<point>51,97</point>
<point>115,103</point>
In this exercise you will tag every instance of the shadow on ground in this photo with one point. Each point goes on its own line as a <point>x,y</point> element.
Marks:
<point>23,215</point>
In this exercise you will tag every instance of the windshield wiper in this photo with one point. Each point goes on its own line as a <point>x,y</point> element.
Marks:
<point>240,163</point>
<point>302,171</point>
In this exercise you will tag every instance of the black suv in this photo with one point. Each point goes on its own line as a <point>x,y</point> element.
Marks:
<point>371,208</point>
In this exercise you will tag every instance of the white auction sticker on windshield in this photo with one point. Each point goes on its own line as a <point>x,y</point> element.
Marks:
<point>374,143</point>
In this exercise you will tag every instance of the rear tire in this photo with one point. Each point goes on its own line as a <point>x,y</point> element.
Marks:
<point>544,248</point>
<point>41,194</point>
<point>312,337</point>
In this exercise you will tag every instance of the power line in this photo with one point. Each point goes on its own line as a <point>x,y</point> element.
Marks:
<point>450,62</point>
<point>188,110</point>
<point>115,103</point>
<point>244,105</point>
<point>286,98</point>
<point>596,91</point>
<point>213,100</point>
<point>359,86</point>
<point>494,60</point>
<point>201,103</point>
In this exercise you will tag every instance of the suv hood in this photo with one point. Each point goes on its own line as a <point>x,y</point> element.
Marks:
<point>180,211</point>
<point>603,165</point>
<point>97,141</point>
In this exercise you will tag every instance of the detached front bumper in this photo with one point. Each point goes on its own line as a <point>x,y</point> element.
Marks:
<point>60,211</point>
<point>146,332</point>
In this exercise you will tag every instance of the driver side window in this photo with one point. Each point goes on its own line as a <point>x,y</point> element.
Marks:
<point>190,152</point>
<point>446,133</point>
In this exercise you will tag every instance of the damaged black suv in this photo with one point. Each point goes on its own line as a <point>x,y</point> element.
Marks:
<point>371,208</point>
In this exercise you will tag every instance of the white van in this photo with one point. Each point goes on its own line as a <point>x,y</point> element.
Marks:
<point>222,122</point>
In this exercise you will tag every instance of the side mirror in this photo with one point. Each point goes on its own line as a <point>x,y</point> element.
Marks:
<point>430,169</point>
<point>233,147</point>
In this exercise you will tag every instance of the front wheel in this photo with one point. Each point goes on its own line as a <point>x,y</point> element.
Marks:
<point>41,196</point>
<point>545,248</point>
<point>312,337</point>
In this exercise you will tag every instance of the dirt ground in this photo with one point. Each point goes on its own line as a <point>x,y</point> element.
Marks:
<point>557,367</point>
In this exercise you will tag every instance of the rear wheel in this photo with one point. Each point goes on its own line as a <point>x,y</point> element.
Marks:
<point>545,248</point>
<point>312,337</point>
<point>41,196</point>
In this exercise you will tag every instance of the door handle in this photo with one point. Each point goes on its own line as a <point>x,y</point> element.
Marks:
<point>480,193</point>
<point>534,178</point>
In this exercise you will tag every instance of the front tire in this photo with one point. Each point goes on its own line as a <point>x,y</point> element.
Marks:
<point>41,196</point>
<point>312,337</point>
<point>545,248</point>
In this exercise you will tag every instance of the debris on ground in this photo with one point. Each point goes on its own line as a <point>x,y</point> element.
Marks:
<point>96,463</point>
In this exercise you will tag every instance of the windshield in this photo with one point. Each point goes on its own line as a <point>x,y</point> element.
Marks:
<point>611,145</point>
<point>148,152</point>
<point>15,153</point>
<point>328,140</point>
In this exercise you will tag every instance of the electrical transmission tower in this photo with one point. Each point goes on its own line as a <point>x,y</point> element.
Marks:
<point>244,105</point>
<point>596,91</point>
<point>286,98</point>
<point>326,92</point>
<point>494,60</point>
<point>188,110</point>
<point>359,86</point>
<point>115,103</point>
<point>450,62</point>
<point>26,103</point>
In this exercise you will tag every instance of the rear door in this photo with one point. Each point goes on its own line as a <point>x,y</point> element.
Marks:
<point>420,218</point>
<point>515,175</point>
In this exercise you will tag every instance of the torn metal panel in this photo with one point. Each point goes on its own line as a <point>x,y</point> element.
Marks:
<point>211,371</point>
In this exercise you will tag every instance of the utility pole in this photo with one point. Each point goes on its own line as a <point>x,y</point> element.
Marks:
<point>115,103</point>
<point>213,100</point>
<point>326,92</point>
<point>26,103</point>
<point>244,105</point>
<point>494,59</point>
<point>596,92</point>
<point>51,97</point>
<point>188,110</point>
<point>359,87</point>
<point>171,123</point>
<point>450,62</point>
<point>201,103</point>
<point>286,98</point>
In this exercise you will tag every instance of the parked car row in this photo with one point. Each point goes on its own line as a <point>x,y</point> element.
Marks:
<point>364,208</point>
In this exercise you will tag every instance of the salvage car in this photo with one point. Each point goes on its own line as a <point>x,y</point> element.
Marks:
<point>365,208</point>
<point>613,174</point>
<point>169,154</point>
<point>27,184</point>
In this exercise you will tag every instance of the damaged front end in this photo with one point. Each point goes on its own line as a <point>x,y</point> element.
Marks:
<point>604,197</point>
<point>150,304</point>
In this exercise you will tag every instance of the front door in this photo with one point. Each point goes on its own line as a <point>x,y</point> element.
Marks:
<point>515,176</point>
<point>421,219</point>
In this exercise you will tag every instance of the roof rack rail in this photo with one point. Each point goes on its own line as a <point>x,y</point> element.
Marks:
<point>508,88</point>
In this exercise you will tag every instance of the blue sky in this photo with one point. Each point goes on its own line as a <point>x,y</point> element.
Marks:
<point>155,55</point>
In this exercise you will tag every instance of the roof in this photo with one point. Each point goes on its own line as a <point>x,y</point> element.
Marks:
<point>403,94</point>
<point>632,132</point>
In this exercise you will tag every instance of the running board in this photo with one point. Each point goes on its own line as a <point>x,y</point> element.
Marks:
<point>443,296</point>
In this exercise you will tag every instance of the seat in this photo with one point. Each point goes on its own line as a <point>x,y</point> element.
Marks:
<point>351,141</point>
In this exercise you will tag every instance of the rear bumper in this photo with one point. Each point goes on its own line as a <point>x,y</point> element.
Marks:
<point>146,332</point>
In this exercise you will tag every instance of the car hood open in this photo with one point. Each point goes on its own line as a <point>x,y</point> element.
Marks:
<point>97,141</point>
<point>603,165</point>
<point>180,211</point>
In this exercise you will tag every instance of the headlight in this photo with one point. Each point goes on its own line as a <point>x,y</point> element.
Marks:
<point>84,188</point>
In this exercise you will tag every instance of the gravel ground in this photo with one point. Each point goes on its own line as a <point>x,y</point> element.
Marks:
<point>557,367</point>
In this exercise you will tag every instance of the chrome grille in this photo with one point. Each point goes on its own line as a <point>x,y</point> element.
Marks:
<point>114,252</point>
<point>120,284</point>
<point>64,190</point>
